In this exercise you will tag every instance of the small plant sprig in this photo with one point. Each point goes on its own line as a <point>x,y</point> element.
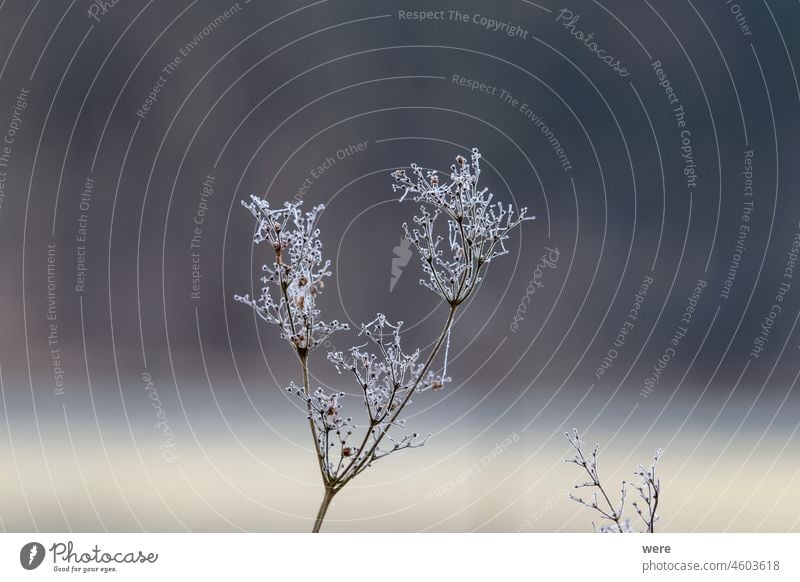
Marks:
<point>297,274</point>
<point>384,374</point>
<point>648,488</point>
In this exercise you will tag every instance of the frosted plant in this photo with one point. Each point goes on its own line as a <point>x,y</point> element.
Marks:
<point>296,275</point>
<point>384,375</point>
<point>476,228</point>
<point>648,489</point>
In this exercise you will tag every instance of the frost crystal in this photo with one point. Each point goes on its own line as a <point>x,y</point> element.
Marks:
<point>649,489</point>
<point>476,230</point>
<point>387,379</point>
<point>296,276</point>
<point>384,375</point>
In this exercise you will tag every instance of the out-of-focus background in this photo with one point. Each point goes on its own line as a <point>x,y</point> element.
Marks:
<point>655,142</point>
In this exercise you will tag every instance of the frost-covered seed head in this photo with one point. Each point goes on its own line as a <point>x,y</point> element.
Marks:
<point>476,228</point>
<point>286,299</point>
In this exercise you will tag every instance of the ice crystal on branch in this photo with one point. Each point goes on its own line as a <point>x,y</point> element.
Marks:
<point>331,429</point>
<point>649,489</point>
<point>387,379</point>
<point>384,374</point>
<point>296,276</point>
<point>476,231</point>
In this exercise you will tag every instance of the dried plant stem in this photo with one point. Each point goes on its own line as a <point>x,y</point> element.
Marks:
<point>446,352</point>
<point>348,475</point>
<point>649,490</point>
<point>453,259</point>
<point>334,485</point>
<point>323,508</point>
<point>303,356</point>
<point>612,515</point>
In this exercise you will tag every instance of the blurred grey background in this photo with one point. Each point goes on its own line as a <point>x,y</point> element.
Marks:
<point>137,395</point>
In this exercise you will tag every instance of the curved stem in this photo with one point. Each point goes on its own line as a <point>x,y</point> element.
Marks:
<point>323,508</point>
